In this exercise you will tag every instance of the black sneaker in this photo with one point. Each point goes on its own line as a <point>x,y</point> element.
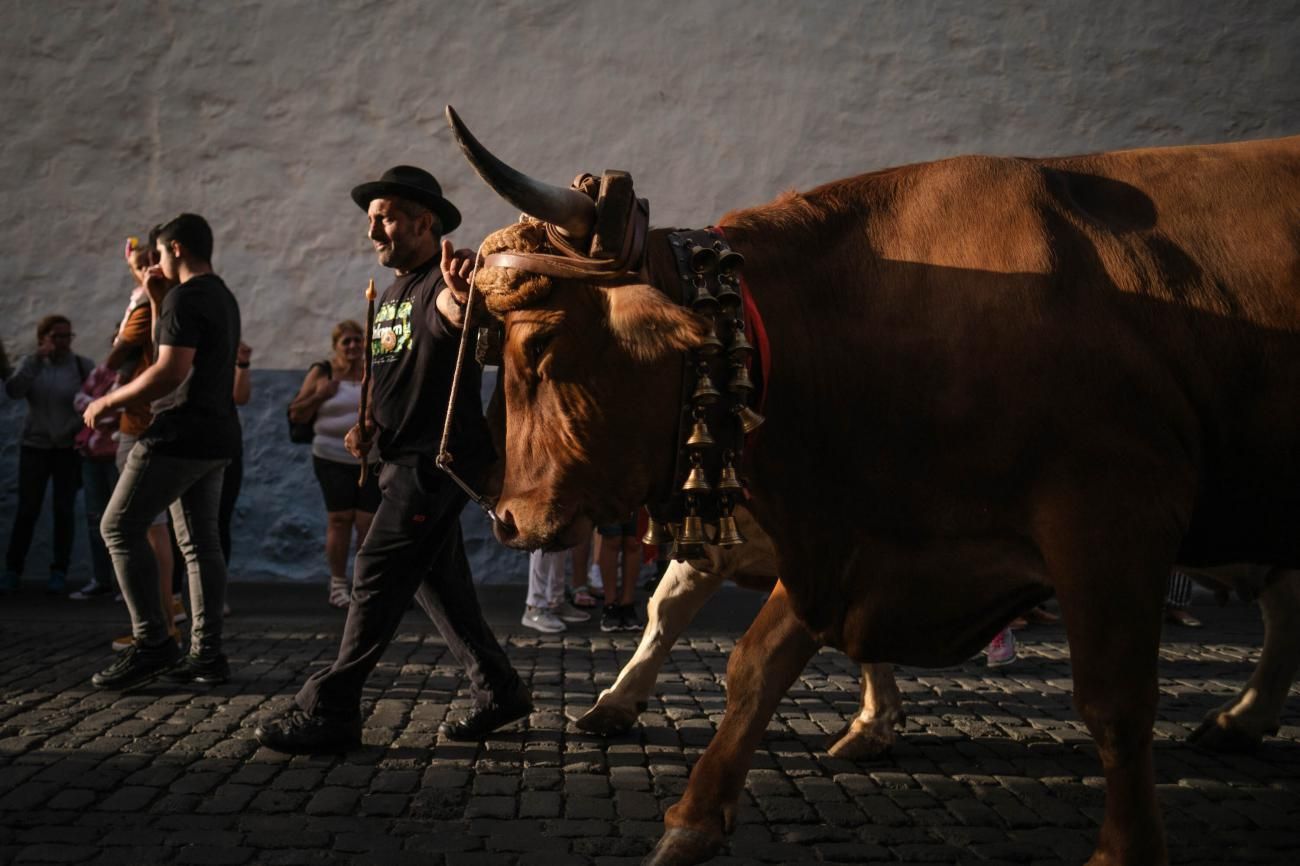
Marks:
<point>627,620</point>
<point>299,732</point>
<point>137,664</point>
<point>610,619</point>
<point>485,720</point>
<point>205,670</point>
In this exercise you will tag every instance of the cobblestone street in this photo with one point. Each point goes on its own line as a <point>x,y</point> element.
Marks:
<point>991,767</point>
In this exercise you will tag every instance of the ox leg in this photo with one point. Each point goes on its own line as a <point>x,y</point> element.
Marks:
<point>765,662</point>
<point>681,593</point>
<point>1112,619</point>
<point>1242,722</point>
<point>871,732</point>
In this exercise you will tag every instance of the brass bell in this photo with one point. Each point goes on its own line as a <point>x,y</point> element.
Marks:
<point>740,349</point>
<point>682,552</point>
<point>729,482</point>
<point>692,531</point>
<point>703,259</point>
<point>705,394</point>
<point>711,345</point>
<point>730,261</point>
<point>728,296</point>
<point>657,533</point>
<point>728,534</point>
<point>704,301</point>
<point>696,481</point>
<point>699,437</point>
<point>749,419</point>
<point>740,382</point>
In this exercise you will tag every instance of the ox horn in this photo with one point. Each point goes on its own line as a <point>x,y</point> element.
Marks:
<point>570,211</point>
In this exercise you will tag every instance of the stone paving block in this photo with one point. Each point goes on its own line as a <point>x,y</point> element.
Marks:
<point>53,852</point>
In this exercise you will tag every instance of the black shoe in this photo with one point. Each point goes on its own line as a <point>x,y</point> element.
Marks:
<point>485,720</point>
<point>205,670</point>
<point>627,620</point>
<point>610,619</point>
<point>137,664</point>
<point>299,732</point>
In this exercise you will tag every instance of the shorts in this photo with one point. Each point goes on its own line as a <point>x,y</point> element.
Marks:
<point>125,442</point>
<point>338,483</point>
<point>614,530</point>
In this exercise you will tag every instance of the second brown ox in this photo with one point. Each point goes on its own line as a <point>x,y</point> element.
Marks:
<point>991,379</point>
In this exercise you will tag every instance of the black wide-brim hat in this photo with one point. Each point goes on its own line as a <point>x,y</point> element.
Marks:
<point>409,182</point>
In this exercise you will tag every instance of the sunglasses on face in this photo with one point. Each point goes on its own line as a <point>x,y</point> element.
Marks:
<point>350,341</point>
<point>61,335</point>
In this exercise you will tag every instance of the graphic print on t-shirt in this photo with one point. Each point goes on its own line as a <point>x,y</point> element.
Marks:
<point>392,332</point>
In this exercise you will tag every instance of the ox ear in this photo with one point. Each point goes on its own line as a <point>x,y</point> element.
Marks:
<point>649,325</point>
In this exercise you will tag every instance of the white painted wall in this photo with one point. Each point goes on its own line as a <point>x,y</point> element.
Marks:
<point>262,115</point>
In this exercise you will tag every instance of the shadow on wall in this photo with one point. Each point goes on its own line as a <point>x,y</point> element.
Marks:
<point>279,525</point>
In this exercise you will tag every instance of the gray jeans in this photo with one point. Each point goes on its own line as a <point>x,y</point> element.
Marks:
<point>148,485</point>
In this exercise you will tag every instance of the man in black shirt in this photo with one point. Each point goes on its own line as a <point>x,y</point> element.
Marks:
<point>178,461</point>
<point>414,546</point>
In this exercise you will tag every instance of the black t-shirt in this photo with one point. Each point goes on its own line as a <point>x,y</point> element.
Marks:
<point>198,419</point>
<point>413,360</point>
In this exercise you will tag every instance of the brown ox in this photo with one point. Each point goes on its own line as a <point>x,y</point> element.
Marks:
<point>990,379</point>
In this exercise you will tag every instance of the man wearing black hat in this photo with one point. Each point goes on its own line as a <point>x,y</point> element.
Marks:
<point>414,546</point>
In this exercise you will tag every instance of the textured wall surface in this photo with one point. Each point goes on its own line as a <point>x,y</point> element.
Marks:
<point>262,115</point>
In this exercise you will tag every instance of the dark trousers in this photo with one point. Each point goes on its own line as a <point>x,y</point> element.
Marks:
<point>36,466</point>
<point>414,548</point>
<point>231,481</point>
<point>98,478</point>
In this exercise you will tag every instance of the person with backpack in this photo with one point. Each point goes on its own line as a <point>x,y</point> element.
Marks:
<point>47,379</point>
<point>322,413</point>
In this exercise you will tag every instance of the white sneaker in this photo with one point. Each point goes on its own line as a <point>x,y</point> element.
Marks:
<point>1002,649</point>
<point>568,613</point>
<point>542,619</point>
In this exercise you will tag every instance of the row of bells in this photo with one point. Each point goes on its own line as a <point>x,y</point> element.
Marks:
<point>739,349</point>
<point>697,481</point>
<point>689,539</point>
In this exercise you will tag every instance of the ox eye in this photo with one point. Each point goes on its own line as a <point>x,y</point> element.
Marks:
<point>536,347</point>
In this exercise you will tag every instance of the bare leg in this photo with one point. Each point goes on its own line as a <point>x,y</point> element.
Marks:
<point>363,521</point>
<point>677,599</point>
<point>631,547</point>
<point>607,557</point>
<point>338,536</point>
<point>871,731</point>
<point>765,662</point>
<point>1242,722</point>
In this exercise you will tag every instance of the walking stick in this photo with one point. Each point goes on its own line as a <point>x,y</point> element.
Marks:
<point>365,379</point>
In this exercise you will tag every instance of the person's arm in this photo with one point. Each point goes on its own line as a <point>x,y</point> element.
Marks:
<point>163,377</point>
<point>243,379</point>
<point>21,381</point>
<point>315,390</point>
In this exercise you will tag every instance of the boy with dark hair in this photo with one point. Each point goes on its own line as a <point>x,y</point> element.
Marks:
<point>178,460</point>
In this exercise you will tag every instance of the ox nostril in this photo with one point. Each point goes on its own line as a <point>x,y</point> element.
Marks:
<point>505,527</point>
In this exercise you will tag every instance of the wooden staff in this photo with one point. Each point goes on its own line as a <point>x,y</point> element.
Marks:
<point>365,379</point>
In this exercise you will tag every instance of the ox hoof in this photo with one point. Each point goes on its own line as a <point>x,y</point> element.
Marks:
<point>681,846</point>
<point>861,745</point>
<point>1219,734</point>
<point>608,720</point>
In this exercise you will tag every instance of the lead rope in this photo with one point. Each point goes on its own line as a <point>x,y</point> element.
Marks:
<point>444,459</point>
